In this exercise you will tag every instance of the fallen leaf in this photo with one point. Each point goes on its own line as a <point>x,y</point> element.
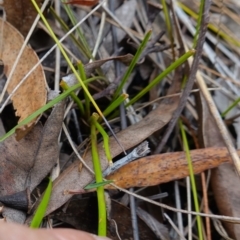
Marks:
<point>26,162</point>
<point>161,168</point>
<point>33,92</point>
<point>224,180</point>
<point>21,14</point>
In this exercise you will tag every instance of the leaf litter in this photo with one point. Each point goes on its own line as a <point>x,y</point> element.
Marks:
<point>146,171</point>
<point>20,14</point>
<point>32,94</point>
<point>25,163</point>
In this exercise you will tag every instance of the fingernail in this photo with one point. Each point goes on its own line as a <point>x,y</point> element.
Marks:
<point>100,238</point>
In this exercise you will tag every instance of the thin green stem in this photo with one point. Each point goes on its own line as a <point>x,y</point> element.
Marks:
<point>83,77</point>
<point>102,215</point>
<point>192,179</point>
<point>211,26</point>
<point>66,57</point>
<point>105,137</point>
<point>169,25</point>
<point>132,64</point>
<point>199,22</point>
<point>115,104</point>
<point>66,29</point>
<point>233,105</point>
<point>74,70</point>
<point>40,111</point>
<point>75,98</point>
<point>79,32</point>
<point>161,76</point>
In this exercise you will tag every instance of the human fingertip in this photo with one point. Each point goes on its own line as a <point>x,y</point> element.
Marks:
<point>100,238</point>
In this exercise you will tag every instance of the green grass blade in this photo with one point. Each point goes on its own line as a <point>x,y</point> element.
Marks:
<point>234,104</point>
<point>82,73</point>
<point>39,214</point>
<point>85,47</point>
<point>161,76</point>
<point>132,64</point>
<point>105,136</point>
<point>66,29</point>
<point>169,25</point>
<point>102,214</point>
<point>74,70</point>
<point>75,98</point>
<point>40,111</point>
<point>115,104</point>
<point>66,57</point>
<point>192,180</point>
<point>199,22</point>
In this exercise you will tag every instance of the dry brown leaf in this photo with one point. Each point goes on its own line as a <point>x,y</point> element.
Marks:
<point>21,14</point>
<point>26,162</point>
<point>161,168</point>
<point>224,180</point>
<point>33,92</point>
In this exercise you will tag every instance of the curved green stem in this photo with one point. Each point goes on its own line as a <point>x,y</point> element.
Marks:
<point>102,215</point>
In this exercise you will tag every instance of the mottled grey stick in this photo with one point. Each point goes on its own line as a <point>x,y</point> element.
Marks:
<point>138,152</point>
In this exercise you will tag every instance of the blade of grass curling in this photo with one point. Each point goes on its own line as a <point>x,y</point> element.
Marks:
<point>75,72</point>
<point>161,76</point>
<point>39,214</point>
<point>102,213</point>
<point>192,179</point>
<point>133,63</point>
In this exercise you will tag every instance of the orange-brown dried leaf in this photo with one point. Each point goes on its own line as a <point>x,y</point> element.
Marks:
<point>160,168</point>
<point>33,92</point>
